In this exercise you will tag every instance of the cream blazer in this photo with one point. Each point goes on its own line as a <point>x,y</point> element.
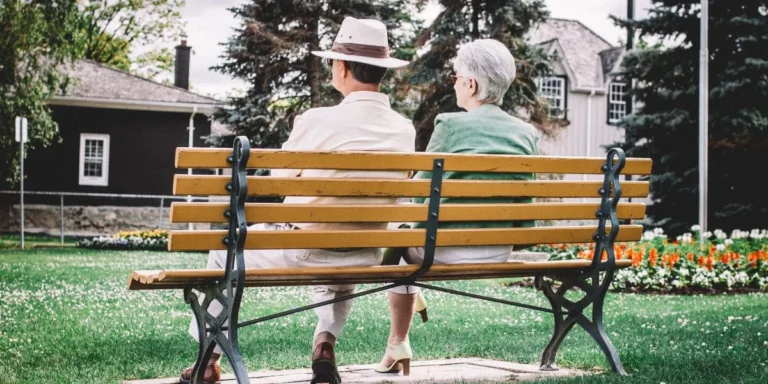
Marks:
<point>363,121</point>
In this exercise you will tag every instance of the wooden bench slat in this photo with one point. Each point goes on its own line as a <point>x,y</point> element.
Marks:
<point>326,213</point>
<point>270,159</point>
<point>173,279</point>
<point>207,240</point>
<point>302,186</point>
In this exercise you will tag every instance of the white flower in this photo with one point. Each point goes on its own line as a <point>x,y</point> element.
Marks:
<point>728,241</point>
<point>696,228</point>
<point>720,247</point>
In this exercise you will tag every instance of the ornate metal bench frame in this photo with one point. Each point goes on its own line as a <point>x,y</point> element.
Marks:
<point>593,282</point>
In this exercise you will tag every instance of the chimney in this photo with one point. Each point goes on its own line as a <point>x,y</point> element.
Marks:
<point>182,64</point>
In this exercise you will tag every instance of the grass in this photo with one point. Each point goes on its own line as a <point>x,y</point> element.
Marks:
<point>13,241</point>
<point>66,316</point>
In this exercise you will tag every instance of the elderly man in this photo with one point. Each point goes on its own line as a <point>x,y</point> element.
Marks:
<point>364,121</point>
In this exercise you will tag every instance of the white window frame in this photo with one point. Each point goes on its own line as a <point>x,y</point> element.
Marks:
<point>617,99</point>
<point>103,180</point>
<point>555,102</point>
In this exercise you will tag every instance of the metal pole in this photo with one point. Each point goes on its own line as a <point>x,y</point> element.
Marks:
<point>160,215</point>
<point>703,117</point>
<point>630,31</point>
<point>630,82</point>
<point>191,138</point>
<point>21,152</point>
<point>61,217</point>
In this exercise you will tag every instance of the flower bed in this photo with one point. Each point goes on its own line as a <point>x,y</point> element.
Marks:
<point>723,263</point>
<point>131,240</point>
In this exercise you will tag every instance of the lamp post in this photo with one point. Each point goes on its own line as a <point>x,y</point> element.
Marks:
<point>703,117</point>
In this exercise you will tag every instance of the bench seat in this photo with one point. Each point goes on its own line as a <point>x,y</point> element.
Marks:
<point>181,278</point>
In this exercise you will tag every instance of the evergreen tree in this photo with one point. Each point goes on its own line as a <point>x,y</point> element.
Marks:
<point>665,126</point>
<point>271,51</point>
<point>462,21</point>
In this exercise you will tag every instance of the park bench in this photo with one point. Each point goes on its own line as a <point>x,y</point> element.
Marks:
<point>590,278</point>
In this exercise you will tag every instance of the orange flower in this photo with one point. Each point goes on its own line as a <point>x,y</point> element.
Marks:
<point>690,256</point>
<point>710,263</point>
<point>701,261</point>
<point>653,258</point>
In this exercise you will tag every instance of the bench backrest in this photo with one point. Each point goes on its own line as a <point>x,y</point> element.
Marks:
<point>214,212</point>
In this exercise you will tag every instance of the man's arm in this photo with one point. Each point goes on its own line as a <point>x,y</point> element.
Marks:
<point>296,142</point>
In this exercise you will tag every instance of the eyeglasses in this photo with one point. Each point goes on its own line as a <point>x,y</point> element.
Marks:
<point>454,78</point>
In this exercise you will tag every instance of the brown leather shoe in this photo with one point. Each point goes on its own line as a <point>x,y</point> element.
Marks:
<point>324,369</point>
<point>212,374</point>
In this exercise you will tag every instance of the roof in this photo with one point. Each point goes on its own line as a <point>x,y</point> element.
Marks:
<point>103,86</point>
<point>609,58</point>
<point>581,48</point>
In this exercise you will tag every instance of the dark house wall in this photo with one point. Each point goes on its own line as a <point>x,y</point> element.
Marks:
<point>141,159</point>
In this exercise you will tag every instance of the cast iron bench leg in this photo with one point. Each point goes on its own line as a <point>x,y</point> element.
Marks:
<point>568,313</point>
<point>210,331</point>
<point>595,281</point>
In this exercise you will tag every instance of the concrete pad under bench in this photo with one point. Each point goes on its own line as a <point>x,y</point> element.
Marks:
<point>431,371</point>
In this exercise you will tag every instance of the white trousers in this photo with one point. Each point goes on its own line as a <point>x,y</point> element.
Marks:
<point>453,255</point>
<point>331,318</point>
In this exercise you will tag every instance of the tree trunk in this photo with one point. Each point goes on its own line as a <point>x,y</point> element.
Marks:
<point>314,67</point>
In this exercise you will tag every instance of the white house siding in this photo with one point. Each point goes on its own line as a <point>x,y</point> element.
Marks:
<point>572,140</point>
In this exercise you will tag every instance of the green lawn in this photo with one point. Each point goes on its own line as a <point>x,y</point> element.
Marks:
<point>13,241</point>
<point>66,316</point>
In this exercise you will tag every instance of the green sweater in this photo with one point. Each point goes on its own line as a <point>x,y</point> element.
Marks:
<point>485,130</point>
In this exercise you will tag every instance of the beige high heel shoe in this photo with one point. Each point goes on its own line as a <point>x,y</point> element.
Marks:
<point>401,355</point>
<point>421,307</point>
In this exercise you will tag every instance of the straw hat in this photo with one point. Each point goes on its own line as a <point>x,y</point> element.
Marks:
<point>362,41</point>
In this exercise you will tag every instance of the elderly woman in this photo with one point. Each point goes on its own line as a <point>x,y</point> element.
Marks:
<point>484,70</point>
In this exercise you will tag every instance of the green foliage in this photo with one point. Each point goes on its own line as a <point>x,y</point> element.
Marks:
<point>109,30</point>
<point>463,21</point>
<point>270,51</point>
<point>35,40</point>
<point>665,126</point>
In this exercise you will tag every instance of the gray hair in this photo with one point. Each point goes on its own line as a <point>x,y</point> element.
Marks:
<point>492,66</point>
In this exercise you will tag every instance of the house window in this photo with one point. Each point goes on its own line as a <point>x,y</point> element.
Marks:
<point>94,159</point>
<point>553,90</point>
<point>617,102</point>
